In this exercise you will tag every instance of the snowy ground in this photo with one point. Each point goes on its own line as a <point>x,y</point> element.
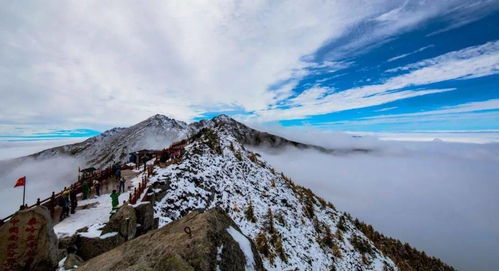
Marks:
<point>88,217</point>
<point>94,217</point>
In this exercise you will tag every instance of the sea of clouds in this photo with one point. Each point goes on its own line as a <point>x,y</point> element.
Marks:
<point>440,197</point>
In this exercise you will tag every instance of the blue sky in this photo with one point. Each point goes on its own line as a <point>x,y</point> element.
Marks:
<point>371,66</point>
<point>381,63</point>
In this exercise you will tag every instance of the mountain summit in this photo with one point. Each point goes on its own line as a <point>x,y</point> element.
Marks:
<point>290,226</point>
<point>156,132</point>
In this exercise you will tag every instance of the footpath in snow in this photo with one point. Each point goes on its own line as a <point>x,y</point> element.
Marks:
<point>96,215</point>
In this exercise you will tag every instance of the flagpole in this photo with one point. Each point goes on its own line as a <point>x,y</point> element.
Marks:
<point>24,190</point>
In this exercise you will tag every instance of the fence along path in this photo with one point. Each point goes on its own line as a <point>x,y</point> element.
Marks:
<point>106,178</point>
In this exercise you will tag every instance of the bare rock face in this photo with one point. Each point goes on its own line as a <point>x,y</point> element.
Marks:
<point>198,241</point>
<point>88,248</point>
<point>72,261</point>
<point>28,241</point>
<point>124,221</point>
<point>145,217</point>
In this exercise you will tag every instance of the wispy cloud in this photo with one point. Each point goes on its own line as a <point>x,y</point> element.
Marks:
<point>79,66</point>
<point>411,53</point>
<point>466,112</point>
<point>492,104</point>
<point>471,62</point>
<point>22,134</point>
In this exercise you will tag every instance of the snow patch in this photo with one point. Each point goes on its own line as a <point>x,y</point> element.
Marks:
<point>219,256</point>
<point>94,231</point>
<point>91,218</point>
<point>245,246</point>
<point>108,235</point>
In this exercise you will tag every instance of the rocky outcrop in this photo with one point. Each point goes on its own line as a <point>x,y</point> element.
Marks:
<point>124,221</point>
<point>28,241</point>
<point>198,241</point>
<point>122,226</point>
<point>145,218</point>
<point>88,248</point>
<point>72,261</point>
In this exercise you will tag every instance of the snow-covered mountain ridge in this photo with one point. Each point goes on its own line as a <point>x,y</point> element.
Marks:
<point>292,228</point>
<point>114,145</point>
<point>158,132</point>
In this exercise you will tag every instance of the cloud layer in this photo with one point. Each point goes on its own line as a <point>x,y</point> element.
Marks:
<point>86,64</point>
<point>439,197</point>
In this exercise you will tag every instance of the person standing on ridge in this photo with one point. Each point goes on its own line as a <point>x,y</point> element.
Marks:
<point>51,205</point>
<point>115,200</point>
<point>85,189</point>
<point>64,203</point>
<point>121,185</point>
<point>73,199</point>
<point>117,171</point>
<point>97,187</point>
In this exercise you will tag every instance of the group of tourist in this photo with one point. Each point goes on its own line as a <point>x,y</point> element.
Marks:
<point>68,200</point>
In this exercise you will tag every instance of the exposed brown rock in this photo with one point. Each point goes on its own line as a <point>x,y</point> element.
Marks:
<point>28,241</point>
<point>124,221</point>
<point>92,247</point>
<point>171,248</point>
<point>145,217</point>
<point>72,261</point>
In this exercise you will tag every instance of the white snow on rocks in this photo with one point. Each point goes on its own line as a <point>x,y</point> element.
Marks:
<point>245,246</point>
<point>216,170</point>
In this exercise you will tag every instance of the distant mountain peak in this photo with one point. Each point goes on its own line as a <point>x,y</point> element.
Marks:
<point>223,117</point>
<point>160,117</point>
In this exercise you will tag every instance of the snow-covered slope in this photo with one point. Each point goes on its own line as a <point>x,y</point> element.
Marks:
<point>292,228</point>
<point>114,145</point>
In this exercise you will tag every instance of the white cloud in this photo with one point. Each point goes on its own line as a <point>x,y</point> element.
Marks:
<point>471,62</point>
<point>472,111</point>
<point>15,149</point>
<point>440,197</point>
<point>411,53</point>
<point>87,64</point>
<point>492,104</point>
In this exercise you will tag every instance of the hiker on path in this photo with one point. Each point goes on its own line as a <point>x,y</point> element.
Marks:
<point>117,171</point>
<point>97,187</point>
<point>85,189</point>
<point>52,205</point>
<point>73,199</point>
<point>64,203</point>
<point>121,185</point>
<point>115,199</point>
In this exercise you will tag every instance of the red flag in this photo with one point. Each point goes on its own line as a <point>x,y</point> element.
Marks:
<point>21,181</point>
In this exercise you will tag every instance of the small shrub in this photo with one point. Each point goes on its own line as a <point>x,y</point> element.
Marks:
<point>262,244</point>
<point>238,155</point>
<point>341,225</point>
<point>361,245</point>
<point>339,235</point>
<point>252,157</point>
<point>279,248</point>
<point>250,215</point>
<point>336,251</point>
<point>269,224</point>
